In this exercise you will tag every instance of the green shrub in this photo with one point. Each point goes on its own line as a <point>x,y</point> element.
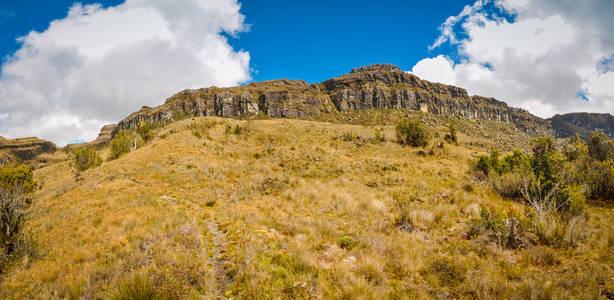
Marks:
<point>125,142</point>
<point>346,242</point>
<point>483,164</point>
<point>600,146</point>
<point>85,158</point>
<point>546,163</point>
<point>508,184</point>
<point>503,228</point>
<point>379,135</point>
<point>598,176</point>
<point>575,148</point>
<point>517,161</point>
<point>412,133</point>
<point>17,177</point>
<point>179,114</point>
<point>14,241</point>
<point>451,136</point>
<point>486,164</point>
<point>147,131</point>
<point>571,199</point>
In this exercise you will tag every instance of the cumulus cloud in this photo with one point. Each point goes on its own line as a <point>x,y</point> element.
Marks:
<point>98,64</point>
<point>548,56</point>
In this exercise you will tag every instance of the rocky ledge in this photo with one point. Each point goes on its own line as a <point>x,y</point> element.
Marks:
<point>25,148</point>
<point>382,86</point>
<point>104,137</point>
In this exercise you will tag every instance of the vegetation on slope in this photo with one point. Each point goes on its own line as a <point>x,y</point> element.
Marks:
<point>293,209</point>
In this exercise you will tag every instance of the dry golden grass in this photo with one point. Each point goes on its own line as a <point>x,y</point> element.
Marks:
<point>286,209</point>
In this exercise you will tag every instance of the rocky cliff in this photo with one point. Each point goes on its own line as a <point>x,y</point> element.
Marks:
<point>583,124</point>
<point>380,86</point>
<point>104,137</point>
<point>25,148</point>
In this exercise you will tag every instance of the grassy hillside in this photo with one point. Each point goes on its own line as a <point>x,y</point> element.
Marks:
<point>293,209</point>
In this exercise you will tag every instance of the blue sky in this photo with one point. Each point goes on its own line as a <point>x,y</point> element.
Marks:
<point>317,40</point>
<point>70,67</point>
<point>310,40</point>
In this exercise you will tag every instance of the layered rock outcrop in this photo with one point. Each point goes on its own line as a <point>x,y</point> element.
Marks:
<point>380,86</point>
<point>25,148</point>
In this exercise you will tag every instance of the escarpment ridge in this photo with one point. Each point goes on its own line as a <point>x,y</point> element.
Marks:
<point>381,86</point>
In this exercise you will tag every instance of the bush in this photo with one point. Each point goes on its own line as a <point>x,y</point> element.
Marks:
<point>17,177</point>
<point>600,146</point>
<point>486,164</point>
<point>517,161</point>
<point>379,135</point>
<point>598,176</point>
<point>146,131</point>
<point>346,242</point>
<point>125,142</point>
<point>14,241</point>
<point>412,133</point>
<point>85,158</point>
<point>575,148</point>
<point>509,184</point>
<point>504,228</point>
<point>546,163</point>
<point>451,136</point>
<point>572,200</point>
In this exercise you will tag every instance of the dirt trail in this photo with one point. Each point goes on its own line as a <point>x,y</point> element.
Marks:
<point>218,259</point>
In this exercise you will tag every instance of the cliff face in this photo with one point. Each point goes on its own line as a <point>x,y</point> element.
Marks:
<point>104,137</point>
<point>376,86</point>
<point>25,148</point>
<point>583,124</point>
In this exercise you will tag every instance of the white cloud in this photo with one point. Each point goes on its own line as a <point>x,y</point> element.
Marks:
<point>98,64</point>
<point>551,52</point>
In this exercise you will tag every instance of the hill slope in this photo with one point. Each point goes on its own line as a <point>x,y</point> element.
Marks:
<point>289,209</point>
<point>582,124</point>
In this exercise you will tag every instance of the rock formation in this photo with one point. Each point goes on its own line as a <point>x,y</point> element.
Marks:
<point>380,86</point>
<point>583,124</point>
<point>25,148</point>
<point>104,137</point>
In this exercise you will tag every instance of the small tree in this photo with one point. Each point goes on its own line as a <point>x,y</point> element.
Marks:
<point>412,133</point>
<point>575,148</point>
<point>85,158</point>
<point>125,142</point>
<point>17,176</point>
<point>146,131</point>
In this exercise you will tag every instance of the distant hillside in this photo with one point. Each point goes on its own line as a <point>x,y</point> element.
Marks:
<point>24,148</point>
<point>583,124</point>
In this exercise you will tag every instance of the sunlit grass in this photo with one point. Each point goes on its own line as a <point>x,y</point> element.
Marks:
<point>301,213</point>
